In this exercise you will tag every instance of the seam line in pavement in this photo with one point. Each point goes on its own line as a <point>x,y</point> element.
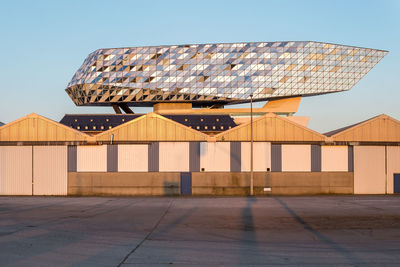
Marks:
<point>147,236</point>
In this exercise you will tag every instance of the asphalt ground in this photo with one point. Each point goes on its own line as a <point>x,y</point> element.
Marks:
<point>105,231</point>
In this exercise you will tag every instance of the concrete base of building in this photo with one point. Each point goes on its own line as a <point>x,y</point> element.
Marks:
<point>210,183</point>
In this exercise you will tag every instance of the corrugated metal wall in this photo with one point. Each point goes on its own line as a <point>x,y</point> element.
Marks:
<point>369,170</point>
<point>133,158</point>
<point>296,158</point>
<point>261,156</point>
<point>334,158</point>
<point>15,170</point>
<point>50,170</point>
<point>174,157</point>
<point>271,127</point>
<point>92,158</point>
<point>393,165</point>
<point>215,156</point>
<point>34,128</point>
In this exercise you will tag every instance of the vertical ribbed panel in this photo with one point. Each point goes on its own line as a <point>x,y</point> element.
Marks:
<point>236,154</point>
<point>276,157</point>
<point>261,156</point>
<point>174,156</point>
<point>350,158</point>
<point>296,158</point>
<point>393,166</point>
<point>133,158</point>
<point>215,156</point>
<point>369,170</point>
<point>15,170</point>
<point>72,157</point>
<point>92,158</point>
<point>315,158</point>
<point>334,159</point>
<point>112,158</point>
<point>50,170</point>
<point>194,156</point>
<point>153,156</point>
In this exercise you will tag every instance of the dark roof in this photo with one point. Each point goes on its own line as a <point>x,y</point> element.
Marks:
<point>1,124</point>
<point>333,132</point>
<point>103,122</point>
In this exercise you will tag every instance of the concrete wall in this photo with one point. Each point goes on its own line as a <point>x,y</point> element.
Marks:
<point>393,166</point>
<point>133,158</point>
<point>210,183</point>
<point>369,170</point>
<point>296,158</point>
<point>261,156</point>
<point>123,183</point>
<point>334,158</point>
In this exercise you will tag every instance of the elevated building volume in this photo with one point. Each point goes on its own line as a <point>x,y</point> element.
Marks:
<point>213,75</point>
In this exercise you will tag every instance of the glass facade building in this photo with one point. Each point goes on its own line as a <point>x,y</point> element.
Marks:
<point>207,74</point>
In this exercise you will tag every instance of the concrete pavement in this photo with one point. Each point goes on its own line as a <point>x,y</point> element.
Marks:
<point>97,231</point>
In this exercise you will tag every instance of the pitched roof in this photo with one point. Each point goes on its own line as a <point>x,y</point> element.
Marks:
<point>151,127</point>
<point>103,122</point>
<point>381,128</point>
<point>1,124</point>
<point>36,128</point>
<point>271,127</point>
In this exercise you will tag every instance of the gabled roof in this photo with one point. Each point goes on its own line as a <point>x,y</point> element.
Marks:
<point>271,127</point>
<point>36,128</point>
<point>151,127</point>
<point>381,128</point>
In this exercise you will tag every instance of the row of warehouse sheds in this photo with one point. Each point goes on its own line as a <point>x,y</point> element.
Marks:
<point>152,127</point>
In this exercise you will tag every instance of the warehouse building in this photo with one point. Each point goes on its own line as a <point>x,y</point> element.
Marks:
<point>154,155</point>
<point>191,144</point>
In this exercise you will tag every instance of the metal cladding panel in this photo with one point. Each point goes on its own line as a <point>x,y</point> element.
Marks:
<point>112,158</point>
<point>15,170</point>
<point>369,170</point>
<point>236,157</point>
<point>133,158</point>
<point>261,156</point>
<point>296,158</point>
<point>92,158</point>
<point>215,156</point>
<point>270,128</point>
<point>315,158</point>
<point>350,158</point>
<point>393,165</point>
<point>50,170</point>
<point>194,156</point>
<point>209,72</point>
<point>174,156</point>
<point>334,159</point>
<point>72,156</point>
<point>276,157</point>
<point>153,157</point>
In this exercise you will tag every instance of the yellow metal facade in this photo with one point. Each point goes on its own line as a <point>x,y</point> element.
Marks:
<point>379,129</point>
<point>35,128</point>
<point>151,127</point>
<point>271,127</point>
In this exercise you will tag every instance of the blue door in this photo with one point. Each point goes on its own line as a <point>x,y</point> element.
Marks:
<point>396,183</point>
<point>186,183</point>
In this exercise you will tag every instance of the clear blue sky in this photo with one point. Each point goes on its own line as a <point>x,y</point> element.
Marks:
<point>43,43</point>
